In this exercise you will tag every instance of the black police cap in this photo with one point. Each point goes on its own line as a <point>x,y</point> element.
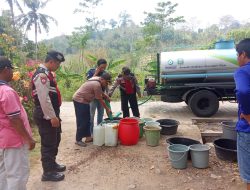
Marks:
<point>56,55</point>
<point>5,62</point>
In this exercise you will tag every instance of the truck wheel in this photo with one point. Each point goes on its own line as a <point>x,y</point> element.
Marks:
<point>204,103</point>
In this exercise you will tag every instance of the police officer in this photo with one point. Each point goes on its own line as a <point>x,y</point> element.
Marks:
<point>47,101</point>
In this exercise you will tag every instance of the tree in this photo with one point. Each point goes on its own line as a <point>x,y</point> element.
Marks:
<point>33,17</point>
<point>156,23</point>
<point>87,7</point>
<point>125,19</point>
<point>11,5</point>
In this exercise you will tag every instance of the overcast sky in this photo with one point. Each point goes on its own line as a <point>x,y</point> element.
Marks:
<point>207,11</point>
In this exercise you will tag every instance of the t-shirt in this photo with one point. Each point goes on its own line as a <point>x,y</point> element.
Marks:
<point>242,91</point>
<point>89,91</point>
<point>129,87</point>
<point>10,105</point>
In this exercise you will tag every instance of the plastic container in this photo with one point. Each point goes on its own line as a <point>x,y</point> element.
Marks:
<point>168,126</point>
<point>152,134</point>
<point>228,129</point>
<point>129,131</point>
<point>152,123</point>
<point>199,155</point>
<point>226,149</point>
<point>184,141</point>
<point>99,135</point>
<point>141,125</point>
<point>178,155</point>
<point>111,134</point>
<point>147,119</point>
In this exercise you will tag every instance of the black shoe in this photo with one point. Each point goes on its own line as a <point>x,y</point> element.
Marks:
<point>59,168</point>
<point>52,176</point>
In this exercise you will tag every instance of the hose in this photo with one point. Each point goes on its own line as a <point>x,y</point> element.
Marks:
<point>139,104</point>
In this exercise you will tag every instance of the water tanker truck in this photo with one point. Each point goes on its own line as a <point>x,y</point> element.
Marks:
<point>200,78</point>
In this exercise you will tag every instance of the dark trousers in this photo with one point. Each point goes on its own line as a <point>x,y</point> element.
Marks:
<point>82,112</point>
<point>132,100</point>
<point>50,140</point>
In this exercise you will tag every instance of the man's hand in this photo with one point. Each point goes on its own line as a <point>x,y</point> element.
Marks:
<point>32,144</point>
<point>97,71</point>
<point>55,122</point>
<point>105,96</point>
<point>108,111</point>
<point>246,117</point>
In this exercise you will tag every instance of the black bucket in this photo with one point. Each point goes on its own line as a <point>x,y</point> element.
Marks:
<point>168,126</point>
<point>226,149</point>
<point>184,141</point>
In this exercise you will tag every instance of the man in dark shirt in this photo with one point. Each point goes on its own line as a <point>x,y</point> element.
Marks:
<point>95,104</point>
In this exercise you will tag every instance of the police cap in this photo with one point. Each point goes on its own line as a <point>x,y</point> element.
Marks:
<point>55,55</point>
<point>5,63</point>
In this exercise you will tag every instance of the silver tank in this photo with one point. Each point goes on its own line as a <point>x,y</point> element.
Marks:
<point>198,65</point>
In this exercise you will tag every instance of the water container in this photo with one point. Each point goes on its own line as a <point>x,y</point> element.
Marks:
<point>129,131</point>
<point>152,124</point>
<point>98,135</point>
<point>228,129</point>
<point>111,134</point>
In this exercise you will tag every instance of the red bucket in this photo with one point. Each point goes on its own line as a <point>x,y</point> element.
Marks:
<point>129,131</point>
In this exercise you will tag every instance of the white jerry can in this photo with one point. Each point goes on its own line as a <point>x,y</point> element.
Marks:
<point>99,135</point>
<point>111,134</point>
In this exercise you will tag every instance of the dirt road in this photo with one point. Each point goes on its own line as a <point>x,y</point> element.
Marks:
<point>136,167</point>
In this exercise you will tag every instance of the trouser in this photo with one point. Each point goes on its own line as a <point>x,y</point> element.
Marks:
<point>14,168</point>
<point>95,105</point>
<point>50,140</point>
<point>132,100</point>
<point>82,112</point>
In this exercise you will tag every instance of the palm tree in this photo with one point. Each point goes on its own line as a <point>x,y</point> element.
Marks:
<point>11,5</point>
<point>33,17</point>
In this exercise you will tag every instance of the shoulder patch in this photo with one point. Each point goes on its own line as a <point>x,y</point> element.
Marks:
<point>43,78</point>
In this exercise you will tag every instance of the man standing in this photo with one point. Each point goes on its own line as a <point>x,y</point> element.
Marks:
<point>47,99</point>
<point>15,134</point>
<point>95,104</point>
<point>242,80</point>
<point>129,87</point>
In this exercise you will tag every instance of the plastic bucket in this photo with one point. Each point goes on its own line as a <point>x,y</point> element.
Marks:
<point>169,126</point>
<point>178,155</point>
<point>152,134</point>
<point>228,129</point>
<point>226,149</point>
<point>147,119</point>
<point>199,155</point>
<point>184,141</point>
<point>152,123</point>
<point>141,125</point>
<point>128,131</point>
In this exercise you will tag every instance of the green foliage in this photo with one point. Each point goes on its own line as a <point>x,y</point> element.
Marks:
<point>239,34</point>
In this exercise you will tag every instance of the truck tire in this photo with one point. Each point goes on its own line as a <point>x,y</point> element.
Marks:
<point>204,103</point>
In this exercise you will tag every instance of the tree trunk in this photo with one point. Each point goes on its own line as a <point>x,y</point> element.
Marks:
<point>36,39</point>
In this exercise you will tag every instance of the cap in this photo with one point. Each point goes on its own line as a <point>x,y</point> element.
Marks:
<point>5,62</point>
<point>106,76</point>
<point>56,55</point>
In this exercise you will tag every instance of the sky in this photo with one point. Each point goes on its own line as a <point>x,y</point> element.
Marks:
<point>206,11</point>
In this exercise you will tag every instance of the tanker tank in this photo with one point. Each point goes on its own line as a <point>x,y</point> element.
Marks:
<point>198,66</point>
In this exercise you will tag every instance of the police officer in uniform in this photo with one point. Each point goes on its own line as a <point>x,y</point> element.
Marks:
<point>47,101</point>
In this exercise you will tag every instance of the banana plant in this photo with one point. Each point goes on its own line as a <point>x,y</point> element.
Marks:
<point>67,76</point>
